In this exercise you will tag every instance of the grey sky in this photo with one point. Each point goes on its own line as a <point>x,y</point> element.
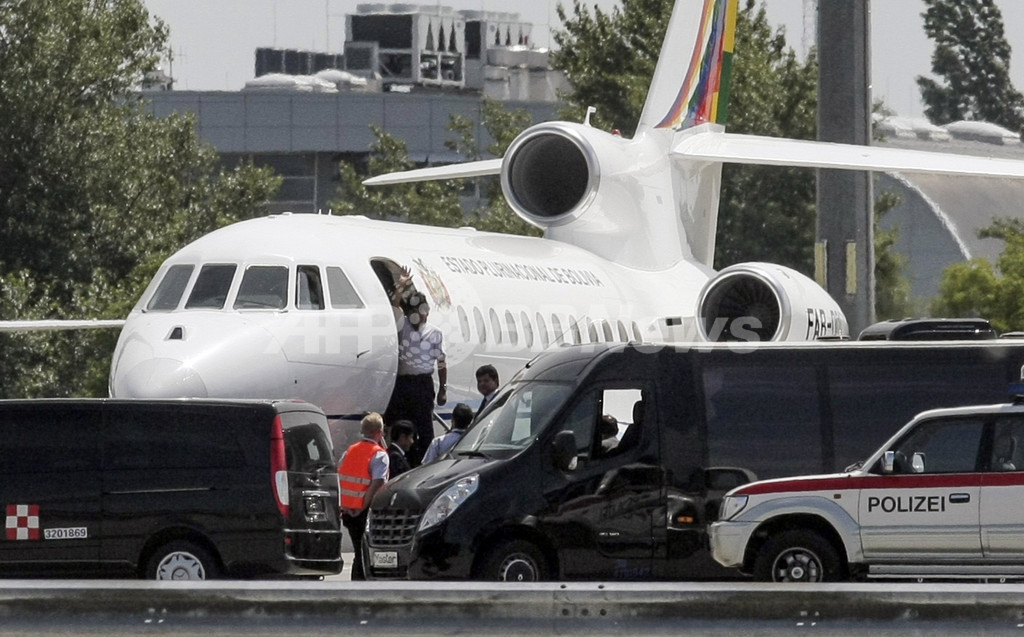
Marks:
<point>214,40</point>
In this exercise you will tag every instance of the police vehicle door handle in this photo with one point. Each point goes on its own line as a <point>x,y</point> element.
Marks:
<point>959,498</point>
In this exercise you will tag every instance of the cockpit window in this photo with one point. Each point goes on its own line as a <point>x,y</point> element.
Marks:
<point>211,288</point>
<point>309,291</point>
<point>263,287</point>
<point>172,286</point>
<point>343,295</point>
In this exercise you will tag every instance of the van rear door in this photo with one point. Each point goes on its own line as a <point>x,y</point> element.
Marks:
<point>50,485</point>
<point>313,531</point>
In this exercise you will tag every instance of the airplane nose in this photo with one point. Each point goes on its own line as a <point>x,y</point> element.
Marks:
<point>161,378</point>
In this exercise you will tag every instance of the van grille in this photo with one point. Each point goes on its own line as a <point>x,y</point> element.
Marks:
<point>393,527</point>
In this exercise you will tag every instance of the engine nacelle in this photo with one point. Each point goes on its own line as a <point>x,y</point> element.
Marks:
<point>767,302</point>
<point>553,172</point>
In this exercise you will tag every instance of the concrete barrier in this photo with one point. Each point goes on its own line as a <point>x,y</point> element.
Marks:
<point>123,607</point>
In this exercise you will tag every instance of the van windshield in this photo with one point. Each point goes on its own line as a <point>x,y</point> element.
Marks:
<point>517,418</point>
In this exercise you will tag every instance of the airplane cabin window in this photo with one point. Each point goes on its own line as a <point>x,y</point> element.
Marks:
<point>481,326</point>
<point>556,325</point>
<point>513,333</point>
<point>463,323</point>
<point>211,288</point>
<point>623,334</point>
<point>527,329</point>
<point>343,295</point>
<point>606,327</point>
<point>172,286</point>
<point>495,327</point>
<point>309,293</point>
<point>542,329</point>
<point>263,287</point>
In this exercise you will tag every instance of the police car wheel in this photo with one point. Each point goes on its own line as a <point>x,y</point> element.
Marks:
<point>798,555</point>
<point>516,561</point>
<point>181,560</point>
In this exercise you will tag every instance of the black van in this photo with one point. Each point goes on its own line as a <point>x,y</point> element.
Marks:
<point>167,489</point>
<point>534,491</point>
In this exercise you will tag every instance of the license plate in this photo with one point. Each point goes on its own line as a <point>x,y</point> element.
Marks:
<point>384,559</point>
<point>315,510</point>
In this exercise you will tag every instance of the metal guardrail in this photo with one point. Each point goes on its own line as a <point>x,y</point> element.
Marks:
<point>414,608</point>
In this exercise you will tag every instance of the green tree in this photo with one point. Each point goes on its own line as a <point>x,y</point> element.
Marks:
<point>892,289</point>
<point>973,57</point>
<point>94,190</point>
<point>432,202</point>
<point>976,288</point>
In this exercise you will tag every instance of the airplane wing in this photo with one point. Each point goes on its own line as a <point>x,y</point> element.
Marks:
<point>452,171</point>
<point>44,325</point>
<point>753,149</point>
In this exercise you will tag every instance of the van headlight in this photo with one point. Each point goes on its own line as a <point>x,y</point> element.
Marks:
<point>449,500</point>
<point>731,506</point>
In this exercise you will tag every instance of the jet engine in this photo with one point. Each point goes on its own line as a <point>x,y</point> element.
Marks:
<point>552,172</point>
<point>767,302</point>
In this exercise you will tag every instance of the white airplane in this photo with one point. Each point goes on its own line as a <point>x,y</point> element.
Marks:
<point>295,305</point>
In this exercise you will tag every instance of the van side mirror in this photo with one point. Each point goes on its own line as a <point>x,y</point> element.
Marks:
<point>563,449</point>
<point>888,461</point>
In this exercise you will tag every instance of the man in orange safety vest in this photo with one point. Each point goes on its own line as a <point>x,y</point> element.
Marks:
<point>362,471</point>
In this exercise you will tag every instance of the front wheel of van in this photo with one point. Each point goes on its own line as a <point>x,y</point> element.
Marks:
<point>515,561</point>
<point>181,560</point>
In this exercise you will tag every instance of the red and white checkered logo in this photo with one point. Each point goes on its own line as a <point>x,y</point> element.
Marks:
<point>22,521</point>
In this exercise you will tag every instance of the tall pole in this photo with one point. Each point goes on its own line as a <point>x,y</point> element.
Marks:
<point>844,254</point>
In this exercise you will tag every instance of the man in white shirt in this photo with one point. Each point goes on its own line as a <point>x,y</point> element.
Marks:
<point>420,350</point>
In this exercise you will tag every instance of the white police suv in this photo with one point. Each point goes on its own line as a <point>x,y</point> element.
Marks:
<point>942,499</point>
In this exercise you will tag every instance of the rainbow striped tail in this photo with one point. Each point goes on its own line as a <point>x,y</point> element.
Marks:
<point>702,95</point>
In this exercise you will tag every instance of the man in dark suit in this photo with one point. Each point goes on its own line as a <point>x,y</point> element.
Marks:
<point>401,435</point>
<point>487,384</point>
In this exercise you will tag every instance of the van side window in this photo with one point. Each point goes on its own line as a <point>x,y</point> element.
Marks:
<point>607,422</point>
<point>755,400</point>
<point>52,442</point>
<point>174,438</point>
<point>172,286</point>
<point>343,295</point>
<point>309,292</point>
<point>263,287</point>
<point>211,288</point>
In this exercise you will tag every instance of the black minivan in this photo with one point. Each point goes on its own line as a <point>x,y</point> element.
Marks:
<point>167,489</point>
<point>538,488</point>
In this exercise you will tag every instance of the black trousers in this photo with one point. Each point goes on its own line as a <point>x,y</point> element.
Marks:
<point>356,524</point>
<point>413,400</point>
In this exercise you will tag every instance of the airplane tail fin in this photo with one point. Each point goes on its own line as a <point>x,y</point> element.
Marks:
<point>683,95</point>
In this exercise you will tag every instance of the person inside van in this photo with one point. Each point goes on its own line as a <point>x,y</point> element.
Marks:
<point>362,471</point>
<point>462,418</point>
<point>609,433</point>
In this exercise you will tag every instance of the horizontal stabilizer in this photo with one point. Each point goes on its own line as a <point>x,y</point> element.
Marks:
<point>45,325</point>
<point>772,151</point>
<point>439,173</point>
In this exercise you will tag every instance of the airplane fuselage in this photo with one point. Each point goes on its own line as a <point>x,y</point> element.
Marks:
<point>295,306</point>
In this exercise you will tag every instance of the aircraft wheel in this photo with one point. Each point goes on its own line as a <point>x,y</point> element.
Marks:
<point>798,555</point>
